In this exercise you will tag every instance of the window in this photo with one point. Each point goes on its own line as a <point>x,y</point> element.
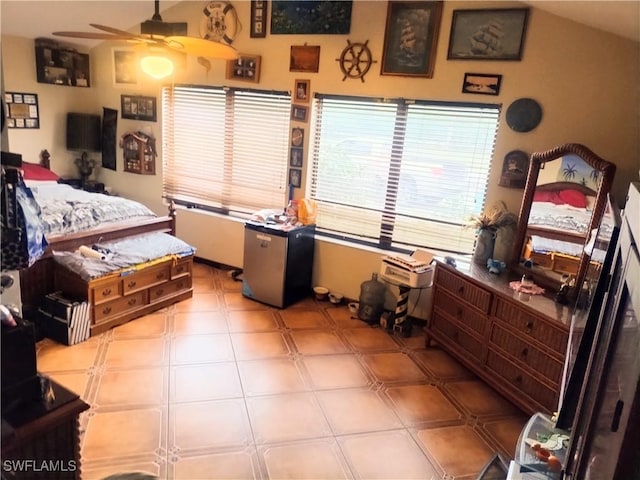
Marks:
<point>399,173</point>
<point>225,149</point>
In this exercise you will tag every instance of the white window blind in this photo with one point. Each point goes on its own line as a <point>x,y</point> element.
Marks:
<point>225,149</point>
<point>400,173</point>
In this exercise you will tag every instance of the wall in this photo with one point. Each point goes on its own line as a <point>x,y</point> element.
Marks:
<point>587,82</point>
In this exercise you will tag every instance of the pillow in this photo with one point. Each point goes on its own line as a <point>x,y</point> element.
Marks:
<point>547,196</point>
<point>31,171</point>
<point>39,183</point>
<point>572,197</point>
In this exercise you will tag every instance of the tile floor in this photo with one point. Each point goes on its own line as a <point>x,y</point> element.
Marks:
<point>222,387</point>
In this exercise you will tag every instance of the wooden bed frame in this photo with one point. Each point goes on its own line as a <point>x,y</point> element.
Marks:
<point>37,280</point>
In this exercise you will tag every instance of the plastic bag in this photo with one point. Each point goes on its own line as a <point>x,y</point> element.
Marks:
<point>307,211</point>
<point>27,242</point>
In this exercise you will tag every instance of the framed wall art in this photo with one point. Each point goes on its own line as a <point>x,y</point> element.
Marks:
<point>411,38</point>
<point>295,177</point>
<point>299,113</point>
<point>481,83</point>
<point>125,67</point>
<point>245,68</point>
<point>136,107</point>
<point>496,34</point>
<point>258,19</point>
<point>301,91</point>
<point>295,157</point>
<point>109,129</point>
<point>21,110</point>
<point>304,58</point>
<point>310,17</point>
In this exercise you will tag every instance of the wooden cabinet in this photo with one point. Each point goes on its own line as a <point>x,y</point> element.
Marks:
<point>116,299</point>
<point>516,346</point>
<point>139,152</point>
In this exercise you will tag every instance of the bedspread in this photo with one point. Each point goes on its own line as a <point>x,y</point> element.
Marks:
<point>68,210</point>
<point>125,255</point>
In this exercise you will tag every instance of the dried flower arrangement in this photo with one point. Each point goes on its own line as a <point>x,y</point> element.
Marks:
<point>493,219</point>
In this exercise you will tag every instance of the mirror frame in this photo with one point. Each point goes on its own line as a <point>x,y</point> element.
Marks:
<point>607,171</point>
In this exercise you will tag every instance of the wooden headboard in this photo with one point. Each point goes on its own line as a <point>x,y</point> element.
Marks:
<point>558,186</point>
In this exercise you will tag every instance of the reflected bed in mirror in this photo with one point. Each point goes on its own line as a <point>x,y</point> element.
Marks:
<point>564,199</point>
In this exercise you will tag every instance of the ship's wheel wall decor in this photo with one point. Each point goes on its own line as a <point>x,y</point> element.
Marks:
<point>355,60</point>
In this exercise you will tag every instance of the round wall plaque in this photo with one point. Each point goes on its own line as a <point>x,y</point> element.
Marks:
<point>523,115</point>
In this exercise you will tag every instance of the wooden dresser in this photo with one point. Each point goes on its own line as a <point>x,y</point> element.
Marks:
<point>116,299</point>
<point>517,345</point>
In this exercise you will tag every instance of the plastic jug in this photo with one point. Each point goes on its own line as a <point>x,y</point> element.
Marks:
<point>371,303</point>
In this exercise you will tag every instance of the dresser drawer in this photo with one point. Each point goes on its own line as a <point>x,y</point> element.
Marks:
<point>106,291</point>
<point>146,278</point>
<point>523,351</point>
<point>460,312</point>
<point>182,268</point>
<point>119,306</point>
<point>160,291</point>
<point>462,289</point>
<point>531,326</point>
<point>520,380</point>
<point>461,339</point>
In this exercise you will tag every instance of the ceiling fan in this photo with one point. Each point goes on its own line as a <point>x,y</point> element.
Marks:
<point>158,35</point>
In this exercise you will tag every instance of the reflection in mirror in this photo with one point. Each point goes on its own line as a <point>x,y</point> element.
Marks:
<point>562,206</point>
<point>591,298</point>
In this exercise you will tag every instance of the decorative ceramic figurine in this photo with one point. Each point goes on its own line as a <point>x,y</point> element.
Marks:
<point>495,266</point>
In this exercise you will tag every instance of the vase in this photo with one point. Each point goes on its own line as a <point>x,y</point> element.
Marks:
<point>485,243</point>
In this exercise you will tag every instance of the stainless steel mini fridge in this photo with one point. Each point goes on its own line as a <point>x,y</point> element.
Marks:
<point>277,264</point>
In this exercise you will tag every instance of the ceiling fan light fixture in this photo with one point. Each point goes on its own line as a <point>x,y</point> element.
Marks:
<point>156,66</point>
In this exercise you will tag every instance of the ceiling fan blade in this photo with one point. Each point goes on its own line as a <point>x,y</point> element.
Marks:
<point>201,47</point>
<point>90,35</point>
<point>115,31</point>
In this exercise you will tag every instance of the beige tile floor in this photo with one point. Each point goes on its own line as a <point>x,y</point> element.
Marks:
<point>222,387</point>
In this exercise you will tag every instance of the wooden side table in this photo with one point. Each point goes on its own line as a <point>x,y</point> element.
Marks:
<point>40,440</point>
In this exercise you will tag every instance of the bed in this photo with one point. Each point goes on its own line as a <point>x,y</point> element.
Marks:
<point>558,226</point>
<point>67,225</point>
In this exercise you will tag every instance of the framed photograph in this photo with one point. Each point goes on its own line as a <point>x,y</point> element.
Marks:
<point>21,110</point>
<point>136,107</point>
<point>299,113</point>
<point>310,17</point>
<point>301,91</point>
<point>488,34</point>
<point>304,58</point>
<point>125,67</point>
<point>245,68</point>
<point>295,157</point>
<point>411,38</point>
<point>258,19</point>
<point>481,83</point>
<point>295,177</point>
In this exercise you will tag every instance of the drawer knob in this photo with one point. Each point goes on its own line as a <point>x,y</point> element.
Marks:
<point>180,269</point>
<point>518,379</point>
<point>160,292</point>
<point>459,312</point>
<point>132,284</point>
<point>159,275</point>
<point>106,292</point>
<point>461,289</point>
<point>132,302</point>
<point>524,352</point>
<point>106,310</point>
<point>529,326</point>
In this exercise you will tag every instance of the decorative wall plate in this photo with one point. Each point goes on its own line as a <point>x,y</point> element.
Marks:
<point>523,115</point>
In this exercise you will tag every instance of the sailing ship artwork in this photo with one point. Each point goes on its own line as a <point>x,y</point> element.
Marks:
<point>410,36</point>
<point>487,34</point>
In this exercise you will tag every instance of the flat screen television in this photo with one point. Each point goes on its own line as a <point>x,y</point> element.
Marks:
<point>587,310</point>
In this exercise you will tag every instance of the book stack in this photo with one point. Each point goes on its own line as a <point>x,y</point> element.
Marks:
<point>66,320</point>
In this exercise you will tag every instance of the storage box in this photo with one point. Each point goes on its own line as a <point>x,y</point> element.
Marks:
<point>540,429</point>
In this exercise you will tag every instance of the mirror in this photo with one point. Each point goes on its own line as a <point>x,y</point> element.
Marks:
<point>564,199</point>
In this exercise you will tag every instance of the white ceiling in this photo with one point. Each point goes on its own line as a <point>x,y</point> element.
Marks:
<point>38,18</point>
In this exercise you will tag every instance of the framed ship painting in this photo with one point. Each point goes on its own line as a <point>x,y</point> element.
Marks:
<point>488,34</point>
<point>410,38</point>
